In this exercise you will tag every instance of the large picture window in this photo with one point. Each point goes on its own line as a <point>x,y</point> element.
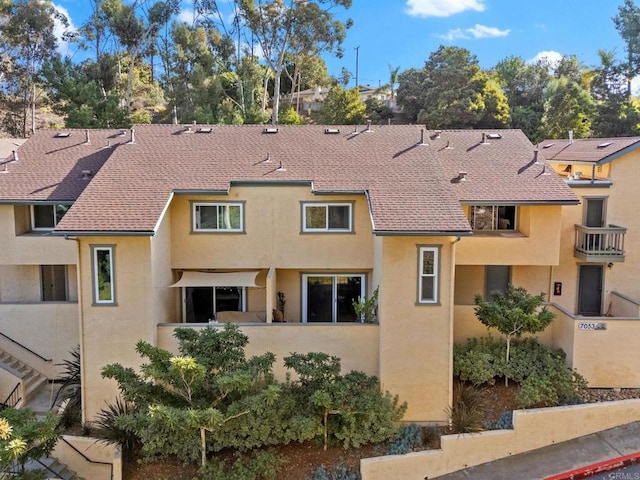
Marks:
<point>103,276</point>
<point>329,298</point>
<point>492,217</point>
<point>428,272</point>
<point>202,304</point>
<point>46,217</point>
<point>218,217</point>
<point>327,217</point>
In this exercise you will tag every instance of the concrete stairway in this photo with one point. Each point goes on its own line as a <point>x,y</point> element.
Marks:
<point>30,379</point>
<point>53,468</point>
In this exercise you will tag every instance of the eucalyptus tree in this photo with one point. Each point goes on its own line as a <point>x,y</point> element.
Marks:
<point>28,39</point>
<point>616,115</point>
<point>291,28</point>
<point>627,22</point>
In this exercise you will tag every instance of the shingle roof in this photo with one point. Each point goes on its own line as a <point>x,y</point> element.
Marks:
<point>590,150</point>
<point>411,187</point>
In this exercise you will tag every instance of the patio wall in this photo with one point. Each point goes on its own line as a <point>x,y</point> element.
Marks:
<point>106,460</point>
<point>532,429</point>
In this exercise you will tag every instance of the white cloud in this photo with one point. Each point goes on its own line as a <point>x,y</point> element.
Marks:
<point>186,16</point>
<point>59,29</point>
<point>442,8</point>
<point>478,31</point>
<point>635,86</point>
<point>550,56</point>
<point>482,31</point>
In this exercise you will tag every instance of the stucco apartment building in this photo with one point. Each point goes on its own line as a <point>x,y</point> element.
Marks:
<point>112,236</point>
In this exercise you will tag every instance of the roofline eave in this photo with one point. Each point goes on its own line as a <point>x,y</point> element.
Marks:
<point>423,233</point>
<point>102,233</point>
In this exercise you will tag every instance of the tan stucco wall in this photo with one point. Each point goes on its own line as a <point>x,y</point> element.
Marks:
<point>163,299</point>
<point>49,329</point>
<point>536,244</point>
<point>31,248</point>
<point>533,429</point>
<point>273,233</point>
<point>356,344</point>
<point>415,340</point>
<point>110,332</point>
<point>21,283</point>
<point>98,452</point>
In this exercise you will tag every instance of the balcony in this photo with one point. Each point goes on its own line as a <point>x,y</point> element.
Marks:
<point>599,244</point>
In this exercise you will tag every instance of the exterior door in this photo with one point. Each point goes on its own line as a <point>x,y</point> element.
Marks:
<point>595,212</point>
<point>590,290</point>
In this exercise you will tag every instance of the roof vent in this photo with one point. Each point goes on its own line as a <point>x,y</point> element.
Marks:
<point>187,129</point>
<point>494,136</point>
<point>422,142</point>
<point>122,133</point>
<point>535,158</point>
<point>133,136</point>
<point>448,147</point>
<point>270,130</point>
<point>86,174</point>
<point>462,176</point>
<point>331,131</point>
<point>570,136</point>
<point>437,134</point>
<point>368,126</point>
<point>484,139</point>
<point>604,145</point>
<point>15,155</point>
<point>87,140</point>
<point>281,168</point>
<point>63,134</point>
<point>204,130</point>
<point>548,145</point>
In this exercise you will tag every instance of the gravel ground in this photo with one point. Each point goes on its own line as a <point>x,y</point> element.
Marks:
<point>593,395</point>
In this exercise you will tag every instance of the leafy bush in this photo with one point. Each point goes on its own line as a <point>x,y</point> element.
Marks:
<point>468,410</point>
<point>479,360</point>
<point>108,428</point>
<point>70,392</point>
<point>348,408</point>
<point>261,465</point>
<point>340,472</point>
<point>544,378</point>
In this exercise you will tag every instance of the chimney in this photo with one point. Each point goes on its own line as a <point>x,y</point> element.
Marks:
<point>87,140</point>
<point>570,137</point>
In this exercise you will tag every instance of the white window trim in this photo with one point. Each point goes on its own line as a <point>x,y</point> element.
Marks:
<point>195,220</point>
<point>94,266</point>
<point>33,217</point>
<point>435,275</point>
<point>334,287</point>
<point>326,228</point>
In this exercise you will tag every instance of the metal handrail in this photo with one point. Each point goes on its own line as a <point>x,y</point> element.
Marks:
<point>87,458</point>
<point>25,348</point>
<point>14,395</point>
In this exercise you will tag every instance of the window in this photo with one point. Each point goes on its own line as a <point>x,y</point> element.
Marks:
<point>329,298</point>
<point>428,265</point>
<point>492,217</point>
<point>103,276</point>
<point>497,278</point>
<point>202,304</point>
<point>53,279</point>
<point>218,217</point>
<point>46,217</point>
<point>326,217</point>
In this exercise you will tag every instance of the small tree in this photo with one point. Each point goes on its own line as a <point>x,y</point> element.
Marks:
<point>513,313</point>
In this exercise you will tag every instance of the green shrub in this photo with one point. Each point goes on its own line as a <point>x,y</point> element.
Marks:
<point>409,438</point>
<point>541,372</point>
<point>469,409</point>
<point>479,360</point>
<point>505,422</point>
<point>260,465</point>
<point>108,428</point>
<point>340,472</point>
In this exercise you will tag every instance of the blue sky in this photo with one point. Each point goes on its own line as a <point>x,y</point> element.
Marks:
<point>403,33</point>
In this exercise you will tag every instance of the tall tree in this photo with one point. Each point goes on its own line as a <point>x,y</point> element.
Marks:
<point>616,115</point>
<point>342,107</point>
<point>627,22</point>
<point>291,28</point>
<point>449,92</point>
<point>28,39</point>
<point>568,106</point>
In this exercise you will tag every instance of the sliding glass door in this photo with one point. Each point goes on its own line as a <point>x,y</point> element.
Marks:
<point>201,304</point>
<point>329,298</point>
